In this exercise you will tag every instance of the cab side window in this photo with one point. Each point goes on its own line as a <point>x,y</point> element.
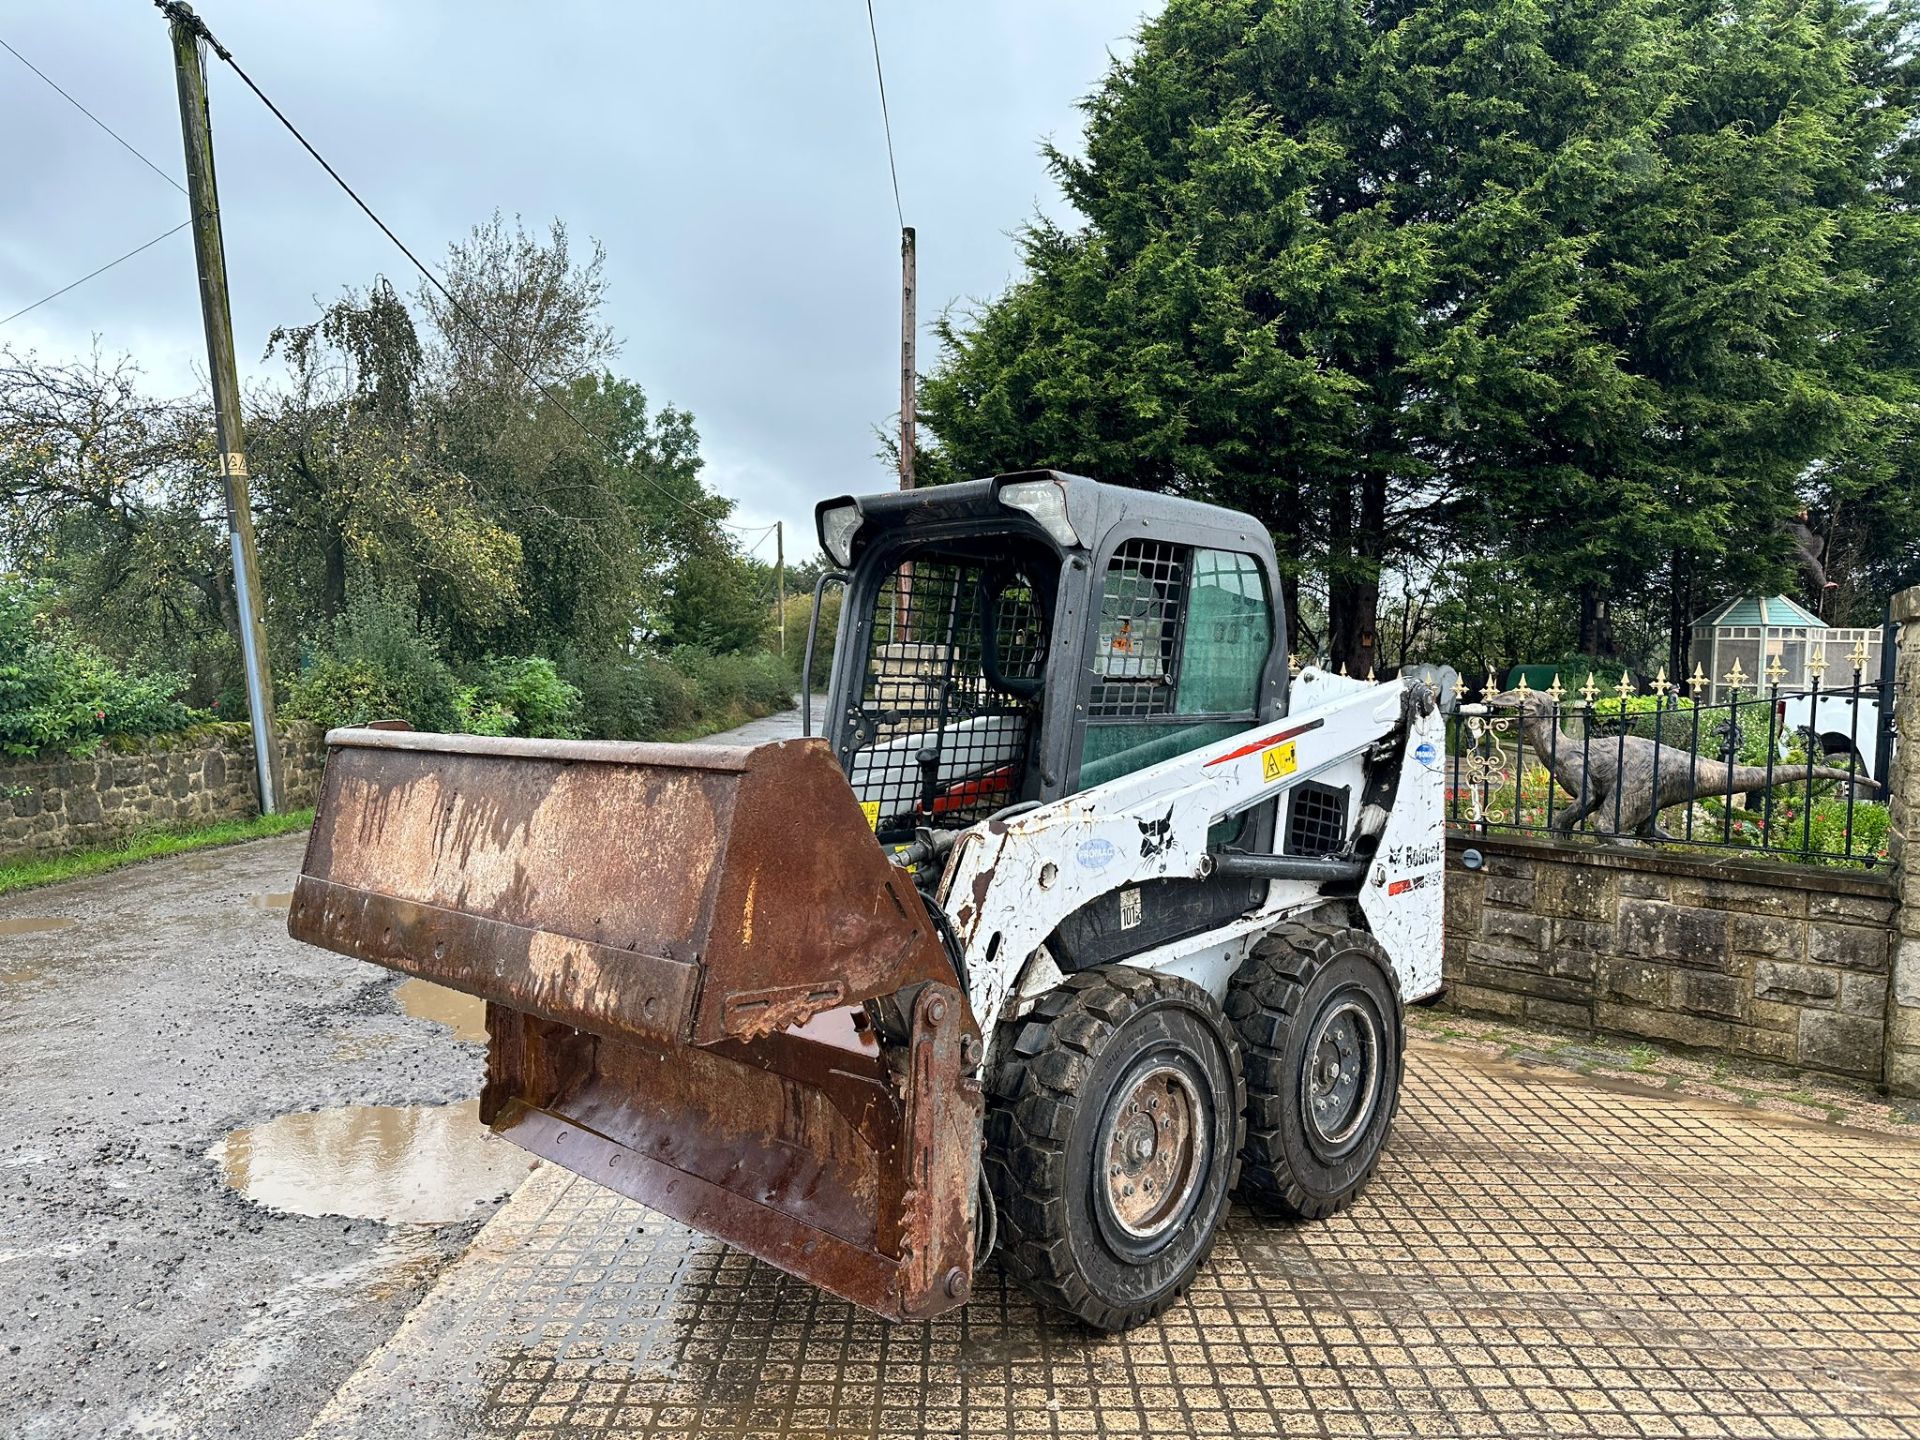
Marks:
<point>1182,641</point>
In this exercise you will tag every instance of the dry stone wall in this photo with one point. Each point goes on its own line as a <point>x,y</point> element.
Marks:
<point>69,802</point>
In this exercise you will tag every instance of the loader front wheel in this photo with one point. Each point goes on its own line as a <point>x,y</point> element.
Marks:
<point>1113,1136</point>
<point>1317,1011</point>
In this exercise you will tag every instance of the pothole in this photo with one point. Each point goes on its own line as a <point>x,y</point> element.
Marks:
<point>464,1014</point>
<point>404,1164</point>
<point>36,924</point>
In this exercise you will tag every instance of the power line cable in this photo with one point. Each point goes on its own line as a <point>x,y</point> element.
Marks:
<point>175,11</point>
<point>754,549</point>
<point>125,144</point>
<point>91,273</point>
<point>886,120</point>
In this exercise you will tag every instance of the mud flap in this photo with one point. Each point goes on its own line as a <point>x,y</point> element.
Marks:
<point>677,943</point>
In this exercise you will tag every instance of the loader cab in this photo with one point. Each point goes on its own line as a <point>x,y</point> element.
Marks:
<point>1023,638</point>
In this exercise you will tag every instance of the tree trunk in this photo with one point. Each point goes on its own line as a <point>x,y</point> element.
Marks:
<point>1680,615</point>
<point>1357,544</point>
<point>1596,622</point>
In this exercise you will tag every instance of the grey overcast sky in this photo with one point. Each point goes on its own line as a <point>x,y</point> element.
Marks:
<point>730,157</point>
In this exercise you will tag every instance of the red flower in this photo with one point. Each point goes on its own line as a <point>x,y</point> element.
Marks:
<point>99,714</point>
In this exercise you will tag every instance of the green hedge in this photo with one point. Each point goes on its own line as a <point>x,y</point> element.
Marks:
<point>59,693</point>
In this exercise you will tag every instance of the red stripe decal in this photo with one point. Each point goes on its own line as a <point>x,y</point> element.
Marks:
<point>1267,744</point>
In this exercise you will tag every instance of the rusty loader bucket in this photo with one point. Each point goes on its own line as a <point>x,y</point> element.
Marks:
<point>676,943</point>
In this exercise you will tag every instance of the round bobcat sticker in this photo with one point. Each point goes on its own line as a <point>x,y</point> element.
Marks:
<point>1095,854</point>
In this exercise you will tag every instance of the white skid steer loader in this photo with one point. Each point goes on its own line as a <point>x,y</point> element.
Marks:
<point>1078,915</point>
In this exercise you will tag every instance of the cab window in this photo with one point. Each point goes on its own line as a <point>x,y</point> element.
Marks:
<point>1182,642</point>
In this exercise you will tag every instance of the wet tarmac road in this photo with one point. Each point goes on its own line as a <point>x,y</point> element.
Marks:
<point>140,1294</point>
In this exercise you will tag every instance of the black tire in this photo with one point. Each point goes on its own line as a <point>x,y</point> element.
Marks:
<point>1310,1001</point>
<point>1103,1214</point>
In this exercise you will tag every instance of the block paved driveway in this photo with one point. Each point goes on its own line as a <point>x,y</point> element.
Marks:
<point>1542,1253</point>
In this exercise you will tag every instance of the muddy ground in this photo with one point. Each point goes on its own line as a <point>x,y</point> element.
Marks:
<point>140,1293</point>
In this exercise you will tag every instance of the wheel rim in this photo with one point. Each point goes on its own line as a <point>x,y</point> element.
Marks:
<point>1154,1149</point>
<point>1340,1089</point>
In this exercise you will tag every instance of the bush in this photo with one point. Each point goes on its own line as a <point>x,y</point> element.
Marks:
<point>758,683</point>
<point>377,663</point>
<point>57,692</point>
<point>521,696</point>
<point>799,614</point>
<point>1669,720</point>
<point>616,702</point>
<point>672,694</point>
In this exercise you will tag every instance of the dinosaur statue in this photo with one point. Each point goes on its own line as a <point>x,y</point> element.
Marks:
<point>1596,772</point>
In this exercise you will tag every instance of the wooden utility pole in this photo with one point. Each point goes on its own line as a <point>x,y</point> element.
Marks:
<point>908,381</point>
<point>249,601</point>
<point>909,385</point>
<point>780,579</point>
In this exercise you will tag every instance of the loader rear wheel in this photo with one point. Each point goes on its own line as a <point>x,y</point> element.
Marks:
<point>1317,1011</point>
<point>1113,1135</point>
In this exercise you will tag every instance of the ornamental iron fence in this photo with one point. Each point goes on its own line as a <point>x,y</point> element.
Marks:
<point>1794,772</point>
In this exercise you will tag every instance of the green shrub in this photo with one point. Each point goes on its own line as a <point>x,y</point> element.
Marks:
<point>57,692</point>
<point>758,683</point>
<point>673,694</point>
<point>1668,719</point>
<point>799,614</point>
<point>527,694</point>
<point>475,714</point>
<point>616,701</point>
<point>376,663</point>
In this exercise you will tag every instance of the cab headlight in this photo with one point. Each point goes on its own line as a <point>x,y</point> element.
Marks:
<point>837,527</point>
<point>1046,501</point>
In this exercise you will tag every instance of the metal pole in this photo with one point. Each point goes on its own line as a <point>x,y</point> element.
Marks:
<point>780,579</point>
<point>249,601</point>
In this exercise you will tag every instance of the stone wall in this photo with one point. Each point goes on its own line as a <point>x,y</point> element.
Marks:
<point>1782,963</point>
<point>67,802</point>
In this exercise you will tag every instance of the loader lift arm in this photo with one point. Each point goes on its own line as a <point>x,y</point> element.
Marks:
<point>1153,824</point>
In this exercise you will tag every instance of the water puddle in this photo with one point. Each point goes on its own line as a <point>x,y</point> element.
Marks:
<point>36,924</point>
<point>415,1164</point>
<point>464,1014</point>
<point>277,900</point>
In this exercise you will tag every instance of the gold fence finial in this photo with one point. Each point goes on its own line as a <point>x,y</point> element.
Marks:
<point>1589,690</point>
<point>1556,690</point>
<point>1698,681</point>
<point>1858,655</point>
<point>1736,677</point>
<point>1817,662</point>
<point>1625,688</point>
<point>1776,672</point>
<point>1662,685</point>
<point>1523,688</point>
